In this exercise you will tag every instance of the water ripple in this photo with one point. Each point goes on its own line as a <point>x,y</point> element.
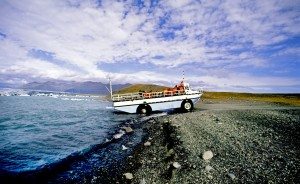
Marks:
<point>38,131</point>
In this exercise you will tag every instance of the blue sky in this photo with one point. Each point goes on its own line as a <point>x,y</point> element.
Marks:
<point>226,45</point>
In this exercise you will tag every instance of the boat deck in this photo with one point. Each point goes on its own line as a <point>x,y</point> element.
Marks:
<point>151,95</point>
<point>142,95</point>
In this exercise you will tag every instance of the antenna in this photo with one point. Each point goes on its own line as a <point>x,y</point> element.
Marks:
<point>183,75</point>
<point>110,87</point>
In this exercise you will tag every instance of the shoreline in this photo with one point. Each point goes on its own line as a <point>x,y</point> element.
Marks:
<point>250,142</point>
<point>254,144</point>
<point>83,167</point>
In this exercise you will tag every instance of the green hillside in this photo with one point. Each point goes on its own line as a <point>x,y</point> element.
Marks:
<point>291,99</point>
<point>140,87</point>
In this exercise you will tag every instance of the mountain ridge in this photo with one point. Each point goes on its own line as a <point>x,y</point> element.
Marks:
<point>87,87</point>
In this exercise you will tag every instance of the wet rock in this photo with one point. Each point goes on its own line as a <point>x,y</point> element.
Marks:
<point>231,176</point>
<point>176,165</point>
<point>208,168</point>
<point>147,143</point>
<point>151,121</point>
<point>128,176</point>
<point>121,131</point>
<point>207,155</point>
<point>124,147</point>
<point>128,129</point>
<point>118,136</point>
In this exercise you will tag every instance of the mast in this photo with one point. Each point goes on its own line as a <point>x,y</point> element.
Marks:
<point>110,88</point>
<point>184,85</point>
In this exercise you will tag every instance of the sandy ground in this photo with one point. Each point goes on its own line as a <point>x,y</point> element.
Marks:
<point>251,142</point>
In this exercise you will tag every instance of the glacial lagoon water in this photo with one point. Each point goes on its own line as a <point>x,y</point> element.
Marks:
<point>36,131</point>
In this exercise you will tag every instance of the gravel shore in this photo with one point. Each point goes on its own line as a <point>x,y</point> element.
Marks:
<point>227,141</point>
<point>220,142</point>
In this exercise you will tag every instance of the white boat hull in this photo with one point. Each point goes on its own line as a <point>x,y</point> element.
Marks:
<point>156,104</point>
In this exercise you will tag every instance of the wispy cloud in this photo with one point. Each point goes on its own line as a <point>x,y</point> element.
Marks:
<point>221,44</point>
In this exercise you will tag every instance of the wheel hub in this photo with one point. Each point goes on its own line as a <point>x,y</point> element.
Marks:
<point>143,111</point>
<point>187,106</point>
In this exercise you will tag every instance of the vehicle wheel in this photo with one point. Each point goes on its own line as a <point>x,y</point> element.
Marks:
<point>144,109</point>
<point>187,105</point>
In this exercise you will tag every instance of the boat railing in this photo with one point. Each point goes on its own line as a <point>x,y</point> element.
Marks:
<point>145,95</point>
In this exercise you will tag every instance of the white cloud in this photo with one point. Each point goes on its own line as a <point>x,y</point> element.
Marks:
<point>178,3</point>
<point>215,34</point>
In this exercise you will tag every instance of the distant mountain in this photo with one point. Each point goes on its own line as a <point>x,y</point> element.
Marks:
<point>6,85</point>
<point>88,87</point>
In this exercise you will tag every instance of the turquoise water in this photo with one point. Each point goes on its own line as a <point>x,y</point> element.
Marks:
<point>37,131</point>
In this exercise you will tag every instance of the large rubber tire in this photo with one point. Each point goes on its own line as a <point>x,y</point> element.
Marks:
<point>144,109</point>
<point>187,106</point>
